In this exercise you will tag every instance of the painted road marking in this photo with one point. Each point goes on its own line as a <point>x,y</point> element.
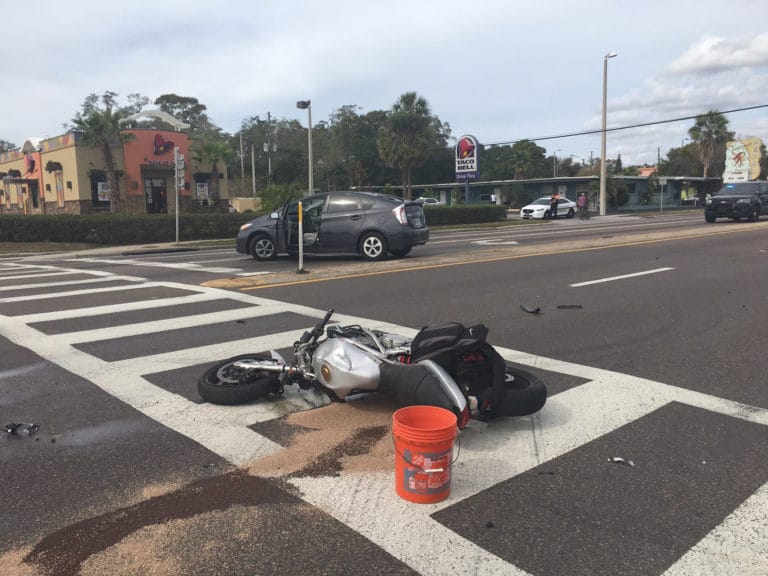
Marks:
<point>177,266</point>
<point>495,242</point>
<point>70,283</point>
<point>79,292</point>
<point>367,502</point>
<point>622,277</point>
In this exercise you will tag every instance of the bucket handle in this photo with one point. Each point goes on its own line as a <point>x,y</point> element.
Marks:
<point>429,470</point>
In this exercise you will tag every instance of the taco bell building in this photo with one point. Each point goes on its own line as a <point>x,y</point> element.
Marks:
<point>62,175</point>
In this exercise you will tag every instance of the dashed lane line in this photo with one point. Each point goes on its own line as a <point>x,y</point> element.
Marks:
<point>622,277</point>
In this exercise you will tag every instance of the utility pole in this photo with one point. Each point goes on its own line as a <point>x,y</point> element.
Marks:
<point>253,171</point>
<point>602,142</point>
<point>242,164</point>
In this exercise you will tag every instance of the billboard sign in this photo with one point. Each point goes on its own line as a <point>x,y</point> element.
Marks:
<point>742,160</point>
<point>467,158</point>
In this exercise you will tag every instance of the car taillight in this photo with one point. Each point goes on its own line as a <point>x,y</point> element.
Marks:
<point>399,213</point>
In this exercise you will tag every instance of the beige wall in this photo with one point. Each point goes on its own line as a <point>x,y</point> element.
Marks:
<point>77,161</point>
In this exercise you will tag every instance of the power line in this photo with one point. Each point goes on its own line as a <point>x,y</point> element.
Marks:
<point>587,132</point>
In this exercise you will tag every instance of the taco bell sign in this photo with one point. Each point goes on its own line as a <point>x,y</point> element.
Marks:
<point>467,165</point>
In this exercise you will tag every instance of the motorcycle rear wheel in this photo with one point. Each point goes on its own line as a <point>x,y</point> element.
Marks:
<point>524,394</point>
<point>226,384</point>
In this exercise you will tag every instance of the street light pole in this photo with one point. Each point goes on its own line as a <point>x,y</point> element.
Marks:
<point>602,147</point>
<point>554,163</point>
<point>306,105</point>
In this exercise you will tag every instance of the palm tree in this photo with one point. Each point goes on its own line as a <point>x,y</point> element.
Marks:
<point>100,123</point>
<point>212,153</point>
<point>711,134</point>
<point>406,136</point>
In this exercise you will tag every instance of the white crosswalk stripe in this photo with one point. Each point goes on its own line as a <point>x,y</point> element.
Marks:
<point>367,502</point>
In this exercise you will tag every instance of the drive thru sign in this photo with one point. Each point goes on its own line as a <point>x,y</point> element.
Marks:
<point>467,165</point>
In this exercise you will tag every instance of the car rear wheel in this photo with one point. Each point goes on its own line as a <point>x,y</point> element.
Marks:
<point>571,213</point>
<point>263,248</point>
<point>373,246</point>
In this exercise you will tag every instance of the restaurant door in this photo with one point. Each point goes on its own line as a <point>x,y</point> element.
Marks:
<point>155,195</point>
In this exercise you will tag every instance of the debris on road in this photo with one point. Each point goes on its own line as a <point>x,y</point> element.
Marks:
<point>569,306</point>
<point>530,309</point>
<point>619,460</point>
<point>21,428</point>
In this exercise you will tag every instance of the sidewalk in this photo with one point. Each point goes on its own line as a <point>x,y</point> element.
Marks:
<point>150,248</point>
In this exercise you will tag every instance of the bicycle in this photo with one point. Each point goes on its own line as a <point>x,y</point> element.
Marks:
<point>583,213</point>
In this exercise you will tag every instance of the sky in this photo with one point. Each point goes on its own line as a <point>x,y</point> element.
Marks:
<point>499,70</point>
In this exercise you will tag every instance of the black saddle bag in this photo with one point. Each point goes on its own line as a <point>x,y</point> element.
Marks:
<point>462,350</point>
<point>447,339</point>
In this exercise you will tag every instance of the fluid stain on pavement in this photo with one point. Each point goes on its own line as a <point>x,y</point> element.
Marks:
<point>176,533</point>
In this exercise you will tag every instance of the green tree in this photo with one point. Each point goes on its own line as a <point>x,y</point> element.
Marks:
<point>496,162</point>
<point>522,160</point>
<point>100,123</point>
<point>5,145</point>
<point>285,160</point>
<point>212,153</point>
<point>683,161</point>
<point>710,133</point>
<point>275,195</point>
<point>356,137</point>
<point>528,160</point>
<point>408,134</point>
<point>653,188</point>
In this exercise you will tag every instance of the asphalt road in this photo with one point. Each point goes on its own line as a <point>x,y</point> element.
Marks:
<point>650,337</point>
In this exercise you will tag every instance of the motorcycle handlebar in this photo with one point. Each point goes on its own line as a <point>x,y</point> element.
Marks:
<point>317,331</point>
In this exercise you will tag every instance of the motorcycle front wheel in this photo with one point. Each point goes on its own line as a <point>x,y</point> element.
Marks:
<point>225,383</point>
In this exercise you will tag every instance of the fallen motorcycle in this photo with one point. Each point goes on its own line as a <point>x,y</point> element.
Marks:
<point>446,365</point>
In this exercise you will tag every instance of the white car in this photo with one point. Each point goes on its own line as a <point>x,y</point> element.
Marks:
<point>540,209</point>
<point>430,202</point>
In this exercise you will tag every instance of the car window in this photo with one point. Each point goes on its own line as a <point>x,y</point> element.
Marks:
<point>344,203</point>
<point>368,202</point>
<point>563,201</point>
<point>311,205</point>
<point>737,188</point>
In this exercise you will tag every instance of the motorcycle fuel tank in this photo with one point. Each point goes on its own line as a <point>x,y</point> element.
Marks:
<point>341,366</point>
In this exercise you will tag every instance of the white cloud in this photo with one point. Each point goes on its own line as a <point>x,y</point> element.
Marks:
<point>717,53</point>
<point>499,70</point>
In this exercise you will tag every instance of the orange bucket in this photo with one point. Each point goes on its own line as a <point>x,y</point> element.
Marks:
<point>424,438</point>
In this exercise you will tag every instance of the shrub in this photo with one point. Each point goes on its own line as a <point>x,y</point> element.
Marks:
<point>464,214</point>
<point>119,229</point>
